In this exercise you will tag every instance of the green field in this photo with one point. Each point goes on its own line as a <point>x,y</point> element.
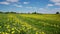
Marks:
<point>29,24</point>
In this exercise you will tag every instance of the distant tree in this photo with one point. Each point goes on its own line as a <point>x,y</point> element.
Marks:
<point>57,12</point>
<point>6,12</point>
<point>12,12</point>
<point>1,12</point>
<point>34,13</point>
<point>29,13</point>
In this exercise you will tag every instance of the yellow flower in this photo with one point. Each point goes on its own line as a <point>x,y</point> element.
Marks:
<point>35,29</point>
<point>8,26</point>
<point>6,33</point>
<point>42,32</point>
<point>12,32</point>
<point>0,32</point>
<point>36,32</point>
<point>9,30</point>
<point>0,26</point>
<point>12,28</point>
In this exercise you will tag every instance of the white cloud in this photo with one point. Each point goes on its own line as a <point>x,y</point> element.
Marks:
<point>46,10</point>
<point>50,5</point>
<point>25,2</point>
<point>55,10</point>
<point>55,0</point>
<point>58,4</point>
<point>29,7</point>
<point>43,9</point>
<point>6,3</point>
<point>17,5</point>
<point>12,0</point>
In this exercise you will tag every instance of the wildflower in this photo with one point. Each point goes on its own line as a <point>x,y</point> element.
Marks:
<point>12,28</point>
<point>42,33</point>
<point>12,32</point>
<point>0,26</point>
<point>8,30</point>
<point>6,33</point>
<point>36,32</point>
<point>0,32</point>
<point>8,26</point>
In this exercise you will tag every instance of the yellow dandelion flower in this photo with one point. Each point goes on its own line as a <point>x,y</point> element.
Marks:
<point>12,32</point>
<point>0,26</point>
<point>34,28</point>
<point>42,33</point>
<point>0,32</point>
<point>36,32</point>
<point>12,28</point>
<point>9,30</point>
<point>8,26</point>
<point>6,33</point>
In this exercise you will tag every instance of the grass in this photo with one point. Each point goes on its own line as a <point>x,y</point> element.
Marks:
<point>29,24</point>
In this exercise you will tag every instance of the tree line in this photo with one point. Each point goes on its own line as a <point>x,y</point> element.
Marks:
<point>22,13</point>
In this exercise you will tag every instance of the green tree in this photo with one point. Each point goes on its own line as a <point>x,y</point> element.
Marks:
<point>57,12</point>
<point>34,13</point>
<point>1,12</point>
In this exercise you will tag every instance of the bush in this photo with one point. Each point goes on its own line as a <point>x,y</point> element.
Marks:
<point>34,13</point>
<point>57,12</point>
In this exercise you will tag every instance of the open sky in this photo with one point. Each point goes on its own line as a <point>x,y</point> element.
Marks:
<point>25,6</point>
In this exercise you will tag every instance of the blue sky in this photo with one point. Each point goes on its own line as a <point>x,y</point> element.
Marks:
<point>25,6</point>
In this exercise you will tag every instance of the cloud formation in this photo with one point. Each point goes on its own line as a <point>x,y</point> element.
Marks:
<point>56,2</point>
<point>12,0</point>
<point>6,3</point>
<point>19,6</point>
<point>25,2</point>
<point>50,5</point>
<point>29,7</point>
<point>9,2</point>
<point>46,10</point>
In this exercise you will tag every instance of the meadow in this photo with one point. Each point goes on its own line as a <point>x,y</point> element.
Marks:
<point>29,24</point>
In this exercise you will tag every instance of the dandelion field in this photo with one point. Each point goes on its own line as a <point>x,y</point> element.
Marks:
<point>29,24</point>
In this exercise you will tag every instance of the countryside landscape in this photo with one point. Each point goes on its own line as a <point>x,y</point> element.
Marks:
<point>29,23</point>
<point>29,16</point>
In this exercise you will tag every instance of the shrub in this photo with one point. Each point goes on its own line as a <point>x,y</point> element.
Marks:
<point>57,12</point>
